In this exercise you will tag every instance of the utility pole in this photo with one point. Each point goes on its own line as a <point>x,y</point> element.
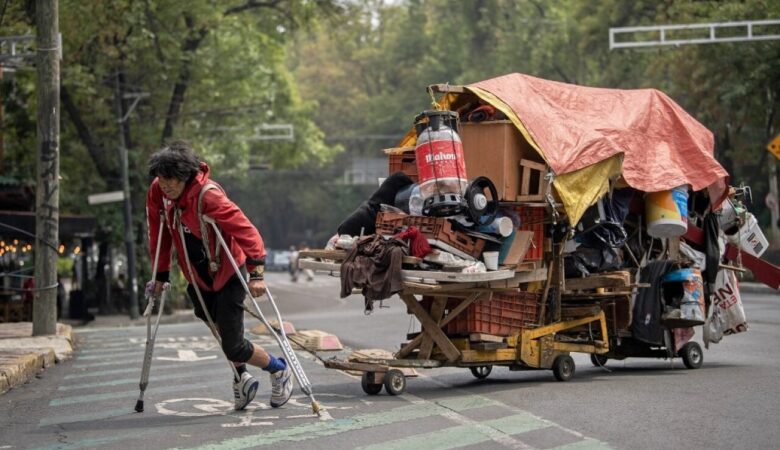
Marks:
<point>47,198</point>
<point>128,208</point>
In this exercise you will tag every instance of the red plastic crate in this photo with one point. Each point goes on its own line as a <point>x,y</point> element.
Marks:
<point>532,219</point>
<point>504,314</point>
<point>433,228</point>
<point>403,162</point>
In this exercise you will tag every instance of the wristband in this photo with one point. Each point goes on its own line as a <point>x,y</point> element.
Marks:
<point>258,273</point>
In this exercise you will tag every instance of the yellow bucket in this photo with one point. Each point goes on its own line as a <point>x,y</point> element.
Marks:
<point>667,212</point>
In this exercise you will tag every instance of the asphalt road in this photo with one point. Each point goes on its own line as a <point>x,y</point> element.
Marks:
<point>87,402</point>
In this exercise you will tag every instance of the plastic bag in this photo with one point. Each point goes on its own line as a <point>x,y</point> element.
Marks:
<point>728,301</point>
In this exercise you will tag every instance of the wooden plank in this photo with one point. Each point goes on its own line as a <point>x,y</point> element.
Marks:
<point>416,363</point>
<point>457,277</point>
<point>431,328</point>
<point>521,277</point>
<point>438,287</point>
<point>494,356</point>
<point>533,165</point>
<point>445,88</point>
<point>398,150</point>
<point>519,247</point>
<point>340,255</point>
<point>419,275</point>
<point>482,337</point>
<point>414,343</point>
<point>337,255</point>
<point>437,311</point>
<point>598,281</point>
<point>357,366</point>
<point>487,346</point>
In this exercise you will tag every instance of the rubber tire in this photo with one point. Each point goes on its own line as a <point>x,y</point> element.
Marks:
<point>395,382</point>
<point>692,355</point>
<point>481,372</point>
<point>598,360</point>
<point>563,368</point>
<point>369,388</point>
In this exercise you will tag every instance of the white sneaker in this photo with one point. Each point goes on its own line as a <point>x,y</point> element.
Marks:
<point>281,386</point>
<point>244,390</point>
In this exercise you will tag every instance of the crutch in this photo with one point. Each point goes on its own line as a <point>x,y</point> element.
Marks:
<point>150,335</point>
<point>194,283</point>
<point>281,337</point>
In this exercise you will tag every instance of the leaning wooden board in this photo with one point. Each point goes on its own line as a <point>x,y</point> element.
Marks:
<point>421,276</point>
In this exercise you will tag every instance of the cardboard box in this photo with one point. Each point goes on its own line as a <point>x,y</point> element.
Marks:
<point>494,150</point>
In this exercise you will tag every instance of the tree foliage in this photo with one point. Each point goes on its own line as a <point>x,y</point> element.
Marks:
<point>379,61</point>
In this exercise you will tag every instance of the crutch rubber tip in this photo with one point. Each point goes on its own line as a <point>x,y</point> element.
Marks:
<point>316,408</point>
<point>139,406</point>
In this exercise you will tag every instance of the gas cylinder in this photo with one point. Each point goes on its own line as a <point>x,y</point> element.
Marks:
<point>441,168</point>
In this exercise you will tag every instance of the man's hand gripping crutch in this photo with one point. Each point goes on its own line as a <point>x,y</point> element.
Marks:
<point>280,337</point>
<point>152,293</point>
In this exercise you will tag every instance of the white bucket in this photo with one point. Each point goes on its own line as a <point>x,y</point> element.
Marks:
<point>750,237</point>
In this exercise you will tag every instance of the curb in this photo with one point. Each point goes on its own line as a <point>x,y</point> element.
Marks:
<point>757,288</point>
<point>23,356</point>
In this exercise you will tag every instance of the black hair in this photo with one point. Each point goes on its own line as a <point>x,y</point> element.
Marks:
<point>175,160</point>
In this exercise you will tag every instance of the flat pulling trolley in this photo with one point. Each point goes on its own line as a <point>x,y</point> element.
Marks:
<point>520,340</point>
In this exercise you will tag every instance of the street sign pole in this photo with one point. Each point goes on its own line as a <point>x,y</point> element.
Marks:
<point>128,208</point>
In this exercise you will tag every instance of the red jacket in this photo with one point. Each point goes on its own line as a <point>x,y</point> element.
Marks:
<point>242,237</point>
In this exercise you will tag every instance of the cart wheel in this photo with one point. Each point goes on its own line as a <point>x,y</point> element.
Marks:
<point>395,382</point>
<point>367,385</point>
<point>692,355</point>
<point>598,360</point>
<point>481,372</point>
<point>563,368</point>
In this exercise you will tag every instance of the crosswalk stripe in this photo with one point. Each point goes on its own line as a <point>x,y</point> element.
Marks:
<point>115,355</point>
<point>137,368</point>
<point>332,427</point>
<point>120,394</point>
<point>135,380</point>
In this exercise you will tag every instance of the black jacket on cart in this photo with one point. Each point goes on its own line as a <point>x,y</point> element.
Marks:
<point>648,305</point>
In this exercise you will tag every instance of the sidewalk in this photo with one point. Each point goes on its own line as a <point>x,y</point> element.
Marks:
<point>23,356</point>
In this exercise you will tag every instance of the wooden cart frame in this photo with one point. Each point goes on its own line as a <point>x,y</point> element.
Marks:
<point>531,348</point>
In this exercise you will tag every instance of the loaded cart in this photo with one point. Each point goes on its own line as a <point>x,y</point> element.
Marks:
<point>524,219</point>
<point>469,320</point>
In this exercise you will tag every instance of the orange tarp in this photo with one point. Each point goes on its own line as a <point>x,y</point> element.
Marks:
<point>662,146</point>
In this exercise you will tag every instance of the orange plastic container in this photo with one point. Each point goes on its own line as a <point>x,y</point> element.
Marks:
<point>403,162</point>
<point>532,219</point>
<point>503,315</point>
<point>433,228</point>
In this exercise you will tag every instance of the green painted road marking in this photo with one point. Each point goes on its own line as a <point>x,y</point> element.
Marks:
<point>517,423</point>
<point>463,435</point>
<point>338,426</point>
<point>442,439</point>
<point>136,380</point>
<point>121,394</point>
<point>585,444</point>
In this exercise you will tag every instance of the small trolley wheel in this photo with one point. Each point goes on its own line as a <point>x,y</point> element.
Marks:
<point>598,360</point>
<point>692,355</point>
<point>481,372</point>
<point>395,382</point>
<point>563,368</point>
<point>369,387</point>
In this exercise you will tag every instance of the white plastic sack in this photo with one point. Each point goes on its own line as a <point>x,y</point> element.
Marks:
<point>729,303</point>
